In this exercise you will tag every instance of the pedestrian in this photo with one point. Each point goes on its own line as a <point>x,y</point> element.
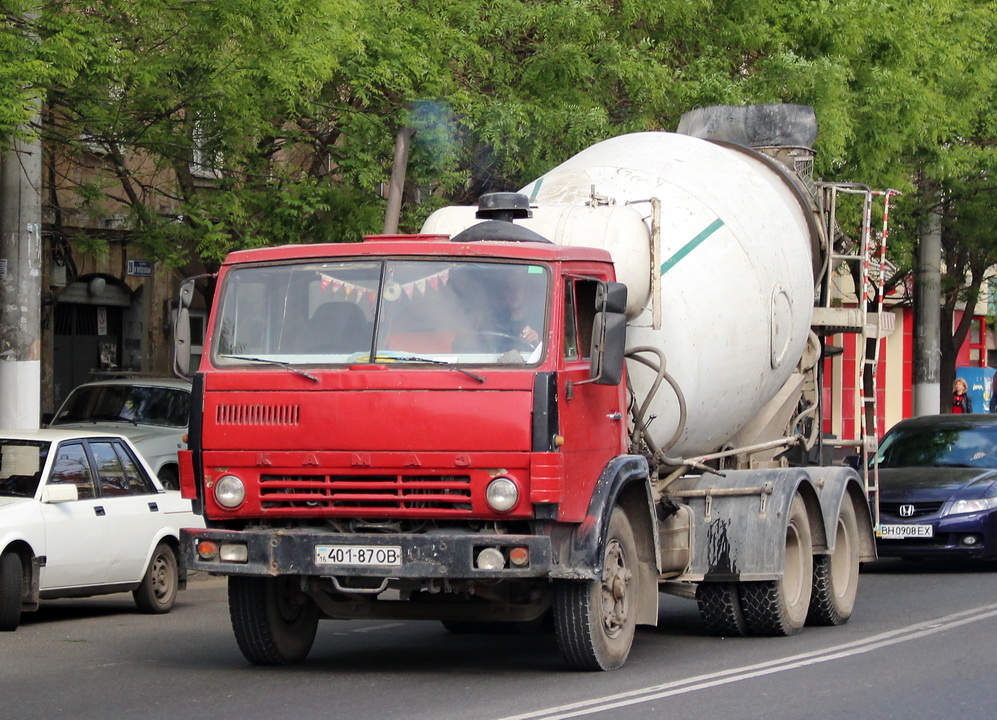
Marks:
<point>961,402</point>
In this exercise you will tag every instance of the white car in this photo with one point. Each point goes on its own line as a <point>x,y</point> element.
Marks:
<point>152,412</point>
<point>82,514</point>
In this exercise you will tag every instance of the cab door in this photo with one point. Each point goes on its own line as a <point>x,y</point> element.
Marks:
<point>592,417</point>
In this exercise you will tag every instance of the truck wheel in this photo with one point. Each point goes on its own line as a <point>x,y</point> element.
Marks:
<point>158,591</point>
<point>836,576</point>
<point>780,607</point>
<point>11,582</point>
<point>274,622</point>
<point>594,621</point>
<point>720,609</point>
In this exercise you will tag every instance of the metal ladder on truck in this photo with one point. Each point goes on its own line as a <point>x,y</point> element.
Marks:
<point>865,318</point>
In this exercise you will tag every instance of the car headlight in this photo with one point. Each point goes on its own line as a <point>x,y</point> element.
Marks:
<point>502,494</point>
<point>229,491</point>
<point>963,507</point>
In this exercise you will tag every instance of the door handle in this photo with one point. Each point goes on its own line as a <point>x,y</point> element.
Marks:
<point>153,507</point>
<point>99,510</point>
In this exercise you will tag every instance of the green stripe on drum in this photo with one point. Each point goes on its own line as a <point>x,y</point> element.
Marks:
<point>691,245</point>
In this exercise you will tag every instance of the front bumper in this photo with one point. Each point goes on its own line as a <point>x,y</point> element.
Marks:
<point>949,537</point>
<point>423,556</point>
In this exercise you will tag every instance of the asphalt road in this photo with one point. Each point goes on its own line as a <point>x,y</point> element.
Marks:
<point>920,645</point>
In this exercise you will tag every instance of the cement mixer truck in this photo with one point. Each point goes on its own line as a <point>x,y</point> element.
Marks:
<point>541,411</point>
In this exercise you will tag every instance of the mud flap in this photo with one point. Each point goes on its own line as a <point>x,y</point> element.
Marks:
<point>739,525</point>
<point>836,485</point>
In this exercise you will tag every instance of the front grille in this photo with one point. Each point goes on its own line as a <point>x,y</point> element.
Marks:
<point>367,493</point>
<point>258,414</point>
<point>921,509</point>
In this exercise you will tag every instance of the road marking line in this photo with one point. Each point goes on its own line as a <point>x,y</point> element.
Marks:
<point>702,682</point>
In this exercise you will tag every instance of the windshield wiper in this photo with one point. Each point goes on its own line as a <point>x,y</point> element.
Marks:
<point>278,363</point>
<point>434,361</point>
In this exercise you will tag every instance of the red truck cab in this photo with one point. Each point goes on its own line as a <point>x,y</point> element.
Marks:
<point>443,419</point>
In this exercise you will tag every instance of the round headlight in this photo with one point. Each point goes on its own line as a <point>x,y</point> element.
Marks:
<point>229,491</point>
<point>502,494</point>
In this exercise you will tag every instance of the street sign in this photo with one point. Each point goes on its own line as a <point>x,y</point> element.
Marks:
<point>140,268</point>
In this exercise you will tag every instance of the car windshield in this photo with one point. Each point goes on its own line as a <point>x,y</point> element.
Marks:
<point>936,447</point>
<point>21,464</point>
<point>137,404</point>
<point>383,311</point>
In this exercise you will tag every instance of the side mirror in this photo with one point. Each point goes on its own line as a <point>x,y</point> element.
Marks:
<point>609,334</point>
<point>609,341</point>
<point>853,461</point>
<point>59,493</point>
<point>611,297</point>
<point>181,329</point>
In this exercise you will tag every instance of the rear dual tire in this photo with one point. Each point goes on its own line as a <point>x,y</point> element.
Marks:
<point>836,576</point>
<point>779,607</point>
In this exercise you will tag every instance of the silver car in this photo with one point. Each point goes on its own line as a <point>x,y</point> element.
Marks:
<point>152,412</point>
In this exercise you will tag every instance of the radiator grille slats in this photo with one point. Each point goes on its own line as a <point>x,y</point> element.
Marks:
<point>367,493</point>
<point>258,414</point>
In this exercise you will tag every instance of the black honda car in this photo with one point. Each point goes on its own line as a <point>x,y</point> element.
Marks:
<point>938,487</point>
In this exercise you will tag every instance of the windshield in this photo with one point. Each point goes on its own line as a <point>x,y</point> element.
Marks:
<point>958,447</point>
<point>383,311</point>
<point>137,404</point>
<point>21,464</point>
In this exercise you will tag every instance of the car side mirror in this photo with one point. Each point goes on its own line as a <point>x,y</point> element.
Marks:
<point>59,493</point>
<point>853,461</point>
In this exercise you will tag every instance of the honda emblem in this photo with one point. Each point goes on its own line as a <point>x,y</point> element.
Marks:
<point>906,511</point>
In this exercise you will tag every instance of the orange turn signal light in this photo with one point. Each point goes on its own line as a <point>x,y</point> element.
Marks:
<point>519,556</point>
<point>207,549</point>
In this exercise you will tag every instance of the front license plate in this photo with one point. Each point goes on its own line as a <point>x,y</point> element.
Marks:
<point>359,555</point>
<point>900,532</point>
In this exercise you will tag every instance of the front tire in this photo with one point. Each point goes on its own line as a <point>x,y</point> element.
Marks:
<point>158,591</point>
<point>11,583</point>
<point>273,620</point>
<point>594,620</point>
<point>779,607</point>
<point>836,576</point>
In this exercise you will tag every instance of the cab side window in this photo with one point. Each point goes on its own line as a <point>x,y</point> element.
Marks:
<point>72,467</point>
<point>579,311</point>
<point>570,328</point>
<point>117,471</point>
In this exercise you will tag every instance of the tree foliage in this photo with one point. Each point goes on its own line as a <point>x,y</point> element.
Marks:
<point>223,124</point>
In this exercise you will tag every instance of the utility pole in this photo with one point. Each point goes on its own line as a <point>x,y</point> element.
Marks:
<point>20,285</point>
<point>927,318</point>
